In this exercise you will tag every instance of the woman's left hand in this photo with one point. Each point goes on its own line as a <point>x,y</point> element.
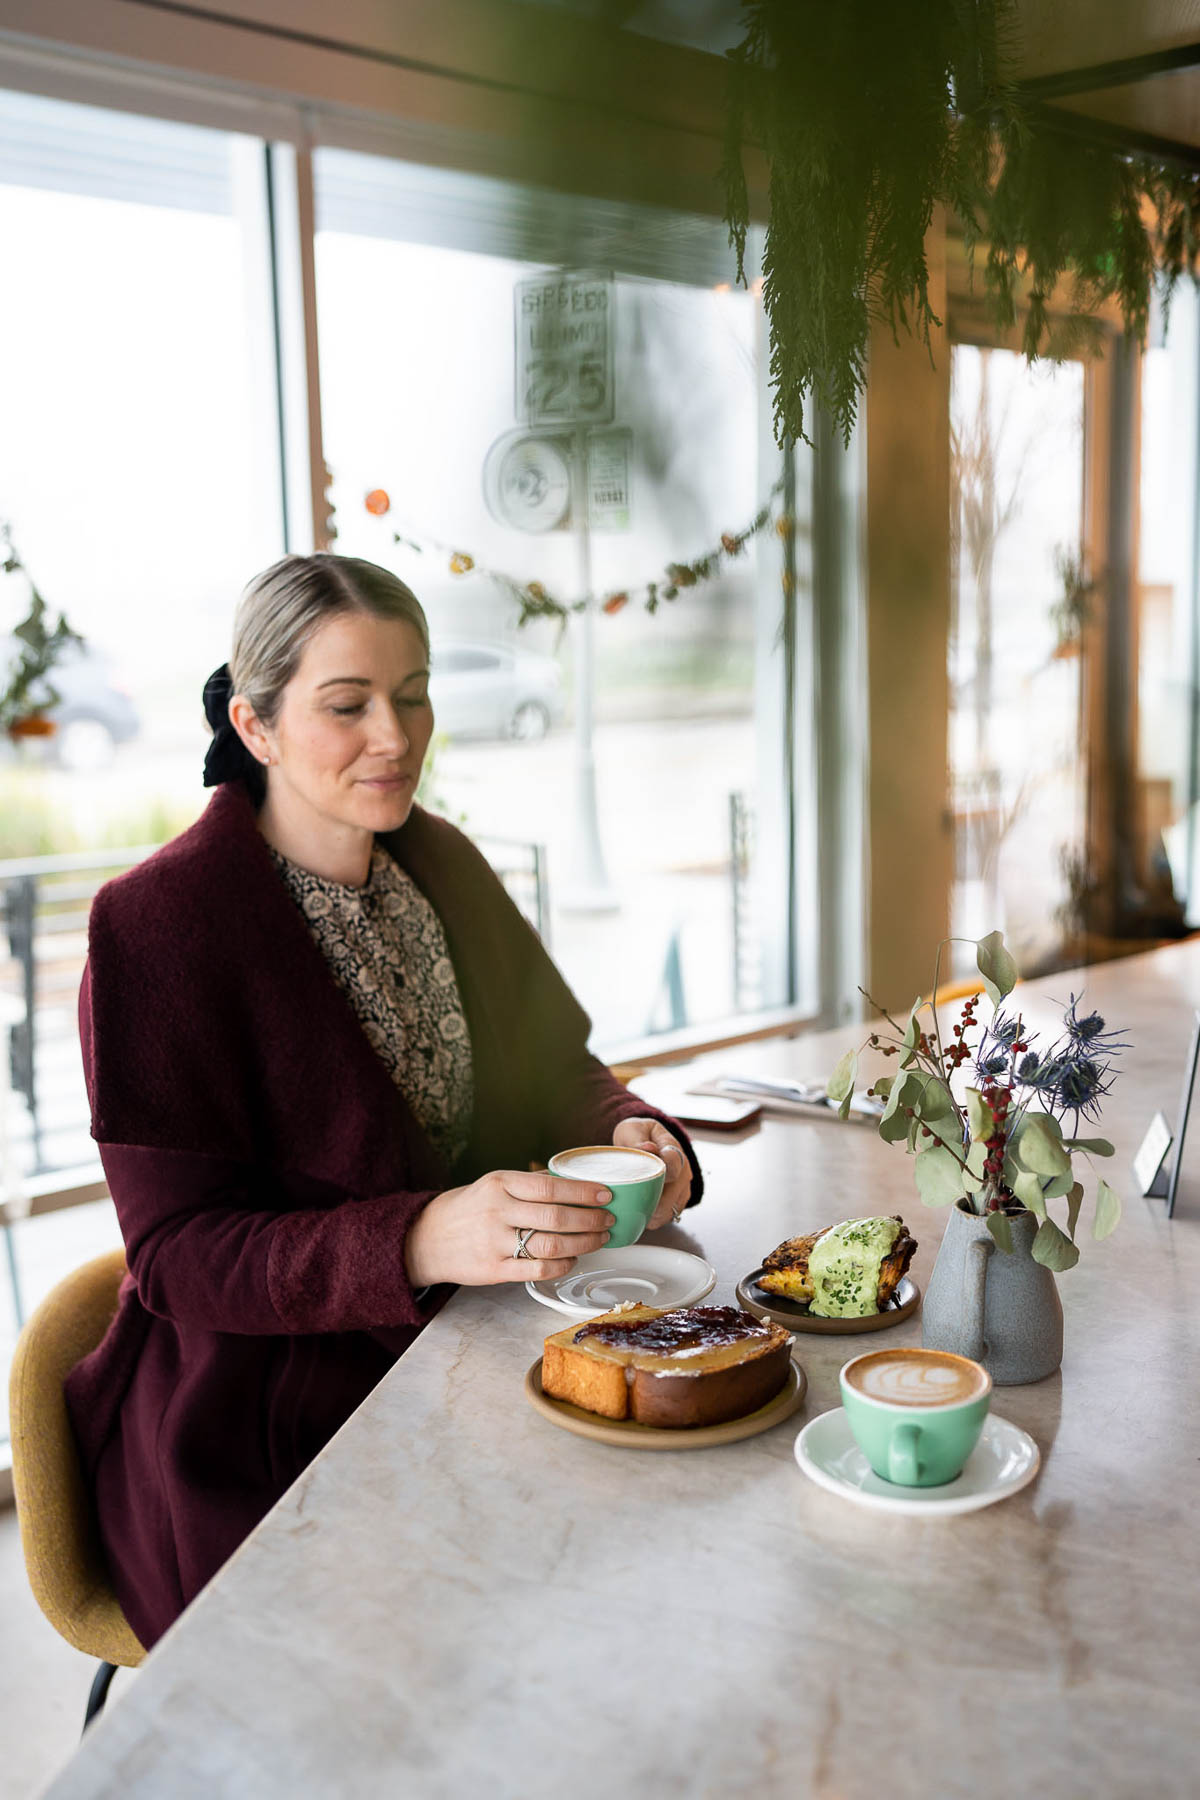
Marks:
<point>648,1134</point>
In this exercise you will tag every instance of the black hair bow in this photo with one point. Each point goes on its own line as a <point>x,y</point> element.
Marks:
<point>228,758</point>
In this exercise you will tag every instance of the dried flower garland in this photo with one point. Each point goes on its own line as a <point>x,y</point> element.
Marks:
<point>533,599</point>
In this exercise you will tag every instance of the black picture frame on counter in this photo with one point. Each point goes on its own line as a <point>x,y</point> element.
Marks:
<point>1160,1155</point>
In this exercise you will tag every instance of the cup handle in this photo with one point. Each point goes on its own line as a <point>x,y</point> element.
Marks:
<point>974,1292</point>
<point>904,1465</point>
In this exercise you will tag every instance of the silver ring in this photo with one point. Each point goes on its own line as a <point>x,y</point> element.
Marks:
<point>676,1215</point>
<point>523,1238</point>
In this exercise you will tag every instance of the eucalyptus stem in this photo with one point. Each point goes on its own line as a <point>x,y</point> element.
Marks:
<point>937,1025</point>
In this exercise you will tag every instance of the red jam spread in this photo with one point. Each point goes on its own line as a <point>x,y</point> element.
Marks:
<point>688,1328</point>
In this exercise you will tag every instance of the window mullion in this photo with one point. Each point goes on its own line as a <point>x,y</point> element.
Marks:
<point>293,222</point>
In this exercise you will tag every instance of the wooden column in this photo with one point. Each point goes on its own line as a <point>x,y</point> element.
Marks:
<point>1109,697</point>
<point>909,828</point>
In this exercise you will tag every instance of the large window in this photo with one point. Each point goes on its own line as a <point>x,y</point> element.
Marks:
<point>139,476</point>
<point>625,745</point>
<point>626,768</point>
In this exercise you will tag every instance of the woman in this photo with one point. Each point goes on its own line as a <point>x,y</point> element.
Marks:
<point>323,1049</point>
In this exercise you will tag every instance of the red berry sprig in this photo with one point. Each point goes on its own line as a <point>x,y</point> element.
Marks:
<point>960,1053</point>
<point>999,1100</point>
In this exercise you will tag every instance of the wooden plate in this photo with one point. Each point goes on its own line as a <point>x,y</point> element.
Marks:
<point>632,1436</point>
<point>795,1316</point>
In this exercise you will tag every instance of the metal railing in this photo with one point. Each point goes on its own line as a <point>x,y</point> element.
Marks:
<point>527,881</point>
<point>44,906</point>
<point>747,937</point>
<point>45,902</point>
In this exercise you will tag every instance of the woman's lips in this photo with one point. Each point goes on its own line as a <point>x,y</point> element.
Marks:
<point>388,783</point>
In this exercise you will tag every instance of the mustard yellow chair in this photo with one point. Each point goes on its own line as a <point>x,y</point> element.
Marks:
<point>63,1559</point>
<point>958,990</point>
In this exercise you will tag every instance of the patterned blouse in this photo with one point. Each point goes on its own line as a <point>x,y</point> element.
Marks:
<point>387,951</point>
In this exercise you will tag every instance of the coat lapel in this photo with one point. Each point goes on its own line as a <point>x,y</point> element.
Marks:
<point>479,954</point>
<point>317,1004</point>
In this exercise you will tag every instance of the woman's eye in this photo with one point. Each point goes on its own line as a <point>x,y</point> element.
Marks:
<point>352,711</point>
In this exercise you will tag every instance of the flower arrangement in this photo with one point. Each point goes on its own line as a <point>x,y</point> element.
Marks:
<point>1005,1142</point>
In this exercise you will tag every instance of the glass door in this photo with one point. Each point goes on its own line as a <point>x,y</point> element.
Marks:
<point>1020,600</point>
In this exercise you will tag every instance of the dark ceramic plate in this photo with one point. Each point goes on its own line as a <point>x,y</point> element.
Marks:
<point>795,1316</point>
<point>631,1436</point>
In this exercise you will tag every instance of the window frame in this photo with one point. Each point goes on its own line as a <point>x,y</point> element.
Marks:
<point>820,772</point>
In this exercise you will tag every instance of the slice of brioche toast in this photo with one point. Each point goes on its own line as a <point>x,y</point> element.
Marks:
<point>702,1365</point>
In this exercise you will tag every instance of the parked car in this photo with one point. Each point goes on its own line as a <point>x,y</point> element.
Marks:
<point>488,690</point>
<point>94,712</point>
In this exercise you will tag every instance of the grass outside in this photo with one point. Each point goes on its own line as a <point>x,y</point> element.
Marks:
<point>40,815</point>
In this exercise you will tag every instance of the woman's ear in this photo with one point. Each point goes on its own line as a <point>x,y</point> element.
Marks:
<point>246,723</point>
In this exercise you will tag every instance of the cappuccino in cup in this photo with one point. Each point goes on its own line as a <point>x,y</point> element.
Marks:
<point>606,1166</point>
<point>916,1414</point>
<point>634,1178</point>
<point>917,1377</point>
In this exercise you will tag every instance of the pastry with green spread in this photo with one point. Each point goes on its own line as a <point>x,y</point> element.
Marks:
<point>845,1271</point>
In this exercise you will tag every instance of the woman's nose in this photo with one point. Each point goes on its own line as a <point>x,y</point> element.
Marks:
<point>389,737</point>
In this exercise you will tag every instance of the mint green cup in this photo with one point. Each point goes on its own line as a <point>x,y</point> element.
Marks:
<point>909,1436</point>
<point>634,1197</point>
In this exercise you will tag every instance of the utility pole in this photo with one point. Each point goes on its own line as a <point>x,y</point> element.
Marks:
<point>589,888</point>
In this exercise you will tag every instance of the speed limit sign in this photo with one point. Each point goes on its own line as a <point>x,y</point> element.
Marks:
<point>564,359</point>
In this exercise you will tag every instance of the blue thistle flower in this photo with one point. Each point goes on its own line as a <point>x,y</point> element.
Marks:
<point>1090,1032</point>
<point>1071,1076</point>
<point>1042,1073</point>
<point>1080,1084</point>
<point>994,1053</point>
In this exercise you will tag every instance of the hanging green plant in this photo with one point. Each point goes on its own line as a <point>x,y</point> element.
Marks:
<point>28,693</point>
<point>872,113</point>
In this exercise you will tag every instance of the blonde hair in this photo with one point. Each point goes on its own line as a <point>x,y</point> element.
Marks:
<point>285,606</point>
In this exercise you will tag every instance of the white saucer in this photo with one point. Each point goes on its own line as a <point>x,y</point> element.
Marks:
<point>644,1273</point>
<point>1004,1460</point>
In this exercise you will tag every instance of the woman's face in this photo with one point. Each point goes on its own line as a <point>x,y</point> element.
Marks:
<point>354,725</point>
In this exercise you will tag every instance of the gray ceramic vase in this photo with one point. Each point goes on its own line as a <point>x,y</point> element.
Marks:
<point>997,1306</point>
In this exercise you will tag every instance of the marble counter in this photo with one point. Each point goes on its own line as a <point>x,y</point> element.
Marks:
<point>458,1598</point>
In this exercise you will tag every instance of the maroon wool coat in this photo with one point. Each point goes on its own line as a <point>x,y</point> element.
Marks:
<point>265,1169</point>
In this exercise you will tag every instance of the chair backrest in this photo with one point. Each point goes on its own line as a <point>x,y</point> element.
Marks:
<point>627,1072</point>
<point>63,1558</point>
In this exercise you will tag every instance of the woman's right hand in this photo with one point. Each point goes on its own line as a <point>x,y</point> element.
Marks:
<point>469,1234</point>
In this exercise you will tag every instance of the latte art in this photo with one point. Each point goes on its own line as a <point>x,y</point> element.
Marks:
<point>608,1165</point>
<point>918,1378</point>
